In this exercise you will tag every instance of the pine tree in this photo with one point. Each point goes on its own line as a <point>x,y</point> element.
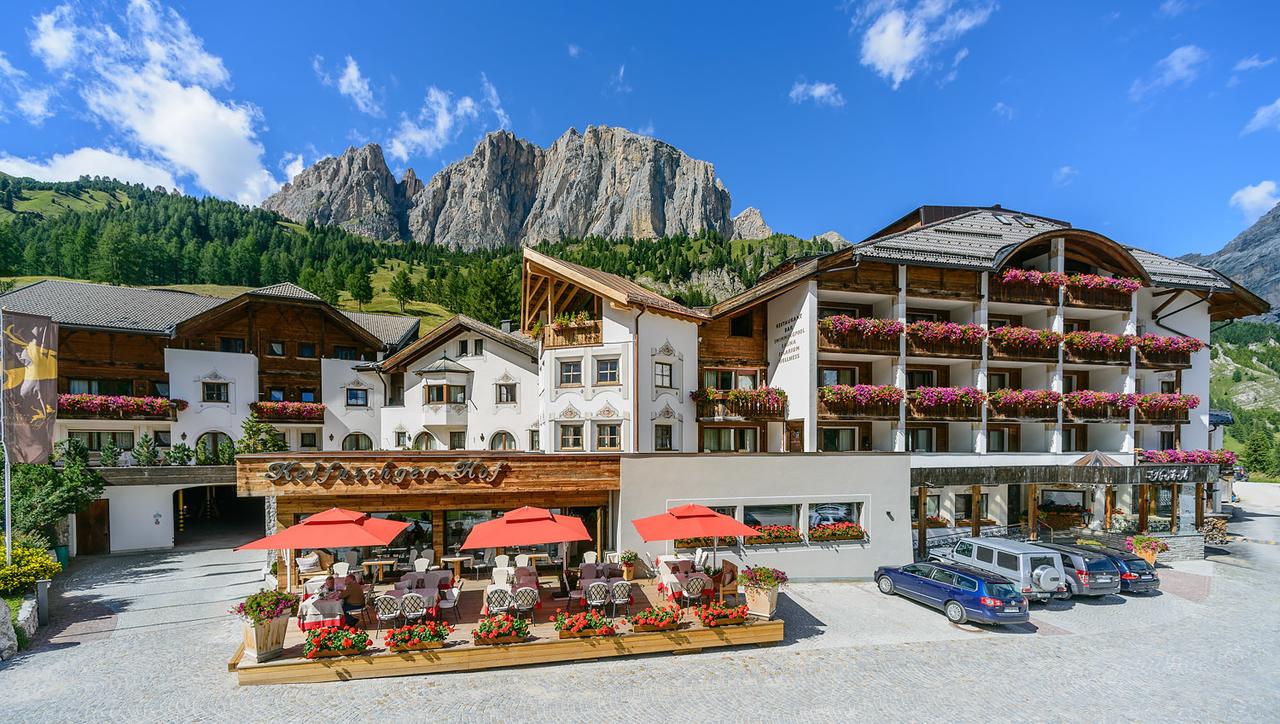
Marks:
<point>109,455</point>
<point>360,286</point>
<point>145,452</point>
<point>1257,450</point>
<point>257,436</point>
<point>402,288</point>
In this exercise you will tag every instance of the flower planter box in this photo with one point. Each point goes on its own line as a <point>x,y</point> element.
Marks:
<point>958,411</point>
<point>722,408</point>
<point>789,540</point>
<point>858,343</point>
<point>853,539</point>
<point>577,335</point>
<point>718,622</point>
<point>645,627</point>
<point>918,347</point>
<point>852,410</point>
<point>500,640</point>
<point>628,571</point>
<point>1023,412</point>
<point>265,641</point>
<point>585,634</point>
<point>1163,360</point>
<point>761,601</point>
<point>1096,356</point>
<point>999,351</point>
<point>424,646</point>
<point>334,653</point>
<point>1041,295</point>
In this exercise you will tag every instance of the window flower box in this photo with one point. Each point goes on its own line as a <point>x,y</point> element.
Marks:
<point>933,521</point>
<point>761,403</point>
<point>945,339</point>
<point>1094,405</point>
<point>335,641</point>
<point>1164,408</point>
<point>118,407</point>
<point>1025,343</point>
<point>860,400</point>
<point>1025,404</point>
<point>500,629</point>
<point>1194,457</point>
<point>836,532</point>
<point>860,334</point>
<point>664,618</point>
<point>1094,290</point>
<point>1156,350</point>
<point>1027,286</point>
<point>773,535</point>
<point>271,410</point>
<point>418,637</point>
<point>572,330</point>
<point>945,403</point>
<point>1100,347</point>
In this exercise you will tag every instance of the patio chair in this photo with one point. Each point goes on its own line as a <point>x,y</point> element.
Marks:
<point>522,561</point>
<point>589,570</point>
<point>597,595</point>
<point>352,559</point>
<point>589,557</point>
<point>612,557</point>
<point>621,596</point>
<point>449,600</point>
<point>406,563</point>
<point>503,576</point>
<point>387,609</point>
<point>497,601</point>
<point>486,562</point>
<point>420,565</point>
<point>691,590</point>
<point>524,601</point>
<point>701,558</point>
<point>413,607</point>
<point>502,561</point>
<point>729,581</point>
<point>341,569</point>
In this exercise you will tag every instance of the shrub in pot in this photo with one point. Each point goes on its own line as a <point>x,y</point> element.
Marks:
<point>761,586</point>
<point>629,559</point>
<point>265,616</point>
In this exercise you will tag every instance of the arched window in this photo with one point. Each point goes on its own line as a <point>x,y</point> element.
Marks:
<point>208,445</point>
<point>357,441</point>
<point>424,441</point>
<point>502,441</point>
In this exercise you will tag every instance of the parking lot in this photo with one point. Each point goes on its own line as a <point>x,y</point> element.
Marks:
<point>146,638</point>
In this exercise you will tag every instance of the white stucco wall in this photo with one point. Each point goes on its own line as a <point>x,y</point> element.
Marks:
<point>336,376</point>
<point>141,516</point>
<point>189,369</point>
<point>675,342</point>
<point>793,354</point>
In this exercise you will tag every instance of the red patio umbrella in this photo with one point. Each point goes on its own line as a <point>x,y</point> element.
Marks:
<point>526,526</point>
<point>334,528</point>
<point>692,521</point>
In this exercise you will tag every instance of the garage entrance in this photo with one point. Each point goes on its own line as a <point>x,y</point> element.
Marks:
<point>213,516</point>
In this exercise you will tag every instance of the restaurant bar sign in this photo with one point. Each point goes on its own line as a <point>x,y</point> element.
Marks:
<point>1167,473</point>
<point>321,473</point>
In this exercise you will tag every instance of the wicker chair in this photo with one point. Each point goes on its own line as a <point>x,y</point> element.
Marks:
<point>525,600</point>
<point>621,596</point>
<point>597,595</point>
<point>413,607</point>
<point>497,601</point>
<point>387,609</point>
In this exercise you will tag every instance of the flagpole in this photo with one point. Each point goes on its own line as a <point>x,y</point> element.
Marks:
<point>4,443</point>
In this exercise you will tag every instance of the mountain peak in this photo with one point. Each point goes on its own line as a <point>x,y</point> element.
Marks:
<point>1252,258</point>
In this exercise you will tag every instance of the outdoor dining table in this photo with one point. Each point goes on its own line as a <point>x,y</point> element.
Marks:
<point>676,582</point>
<point>429,596</point>
<point>378,564</point>
<point>457,562</point>
<point>320,611</point>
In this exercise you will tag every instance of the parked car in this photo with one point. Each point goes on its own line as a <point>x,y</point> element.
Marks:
<point>1036,571</point>
<point>960,592</point>
<point>1136,575</point>
<point>1089,571</point>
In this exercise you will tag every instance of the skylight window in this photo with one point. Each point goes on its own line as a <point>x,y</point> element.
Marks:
<point>1003,220</point>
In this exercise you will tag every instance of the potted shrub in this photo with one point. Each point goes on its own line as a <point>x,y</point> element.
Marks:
<point>500,629</point>
<point>663,618</point>
<point>418,636</point>
<point>629,559</point>
<point>333,641</point>
<point>583,624</point>
<point>1146,547</point>
<point>716,614</point>
<point>761,585</point>
<point>265,616</point>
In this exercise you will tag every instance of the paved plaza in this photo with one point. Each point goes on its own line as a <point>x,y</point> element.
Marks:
<point>147,637</point>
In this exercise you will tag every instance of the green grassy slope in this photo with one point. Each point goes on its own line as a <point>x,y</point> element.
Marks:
<point>49,204</point>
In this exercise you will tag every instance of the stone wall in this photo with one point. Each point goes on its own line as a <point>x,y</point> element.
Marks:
<point>1184,547</point>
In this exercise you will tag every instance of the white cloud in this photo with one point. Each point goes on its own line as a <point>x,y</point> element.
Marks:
<point>1064,175</point>
<point>952,74</point>
<point>647,129</point>
<point>822,94</point>
<point>618,82</point>
<point>350,83</point>
<point>1004,110</point>
<point>1265,117</point>
<point>1177,68</point>
<point>89,162</point>
<point>1253,62</point>
<point>492,100</point>
<point>1174,8</point>
<point>574,50</point>
<point>54,37</point>
<point>436,125</point>
<point>292,165</point>
<point>900,40</point>
<point>31,101</point>
<point>1256,200</point>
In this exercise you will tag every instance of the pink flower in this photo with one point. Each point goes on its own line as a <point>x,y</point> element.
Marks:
<point>1159,343</point>
<point>860,395</point>
<point>1026,337</point>
<point>947,332</point>
<point>864,326</point>
<point>945,396</point>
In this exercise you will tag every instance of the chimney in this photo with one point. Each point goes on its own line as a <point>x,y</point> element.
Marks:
<point>508,325</point>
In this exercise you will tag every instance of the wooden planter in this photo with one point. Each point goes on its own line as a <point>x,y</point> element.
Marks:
<point>500,640</point>
<point>628,571</point>
<point>424,646</point>
<point>265,641</point>
<point>334,653</point>
<point>718,622</point>
<point>644,627</point>
<point>762,601</point>
<point>1149,557</point>
<point>584,634</point>
<point>858,539</point>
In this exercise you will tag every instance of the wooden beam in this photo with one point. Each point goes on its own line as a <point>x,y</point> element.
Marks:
<point>1176,490</point>
<point>1144,503</point>
<point>1033,510</point>
<point>922,525</point>
<point>975,509</point>
<point>1109,506</point>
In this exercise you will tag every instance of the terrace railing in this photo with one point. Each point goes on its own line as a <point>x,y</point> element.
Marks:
<point>1033,413</point>
<point>1096,356</point>
<point>579,335</point>
<point>1098,297</point>
<point>855,411</point>
<point>1161,417</point>
<point>1163,359</point>
<point>1041,295</point>
<point>720,407</point>
<point>1022,353</point>
<point>855,342</point>
<point>1099,413</point>
<point>916,410</point>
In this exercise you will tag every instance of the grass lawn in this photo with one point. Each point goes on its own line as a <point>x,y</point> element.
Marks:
<point>14,601</point>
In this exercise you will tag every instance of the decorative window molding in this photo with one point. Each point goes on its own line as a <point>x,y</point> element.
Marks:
<point>667,353</point>
<point>569,412</point>
<point>667,413</point>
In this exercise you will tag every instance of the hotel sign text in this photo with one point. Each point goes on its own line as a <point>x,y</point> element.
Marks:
<point>463,471</point>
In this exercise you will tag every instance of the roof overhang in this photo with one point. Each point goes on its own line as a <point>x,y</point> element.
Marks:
<point>1062,475</point>
<point>239,301</point>
<point>1124,261</point>
<point>446,331</point>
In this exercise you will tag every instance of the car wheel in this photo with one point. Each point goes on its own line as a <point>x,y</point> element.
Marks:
<point>955,612</point>
<point>1067,596</point>
<point>885,585</point>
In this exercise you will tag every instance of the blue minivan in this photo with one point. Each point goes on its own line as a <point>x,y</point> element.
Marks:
<point>961,592</point>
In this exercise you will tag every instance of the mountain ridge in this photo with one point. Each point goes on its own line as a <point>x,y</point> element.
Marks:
<point>1252,258</point>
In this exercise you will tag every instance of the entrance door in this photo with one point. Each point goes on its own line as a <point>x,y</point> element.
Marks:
<point>93,528</point>
<point>795,435</point>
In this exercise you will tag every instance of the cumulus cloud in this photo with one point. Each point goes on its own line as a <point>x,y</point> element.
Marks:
<point>899,39</point>
<point>822,94</point>
<point>1178,68</point>
<point>494,103</point>
<point>1264,118</point>
<point>89,162</point>
<point>435,126</point>
<point>292,165</point>
<point>32,101</point>
<point>1004,110</point>
<point>1064,175</point>
<point>1256,200</point>
<point>53,39</point>
<point>351,83</point>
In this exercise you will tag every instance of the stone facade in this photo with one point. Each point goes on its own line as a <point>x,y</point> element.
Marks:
<point>1182,547</point>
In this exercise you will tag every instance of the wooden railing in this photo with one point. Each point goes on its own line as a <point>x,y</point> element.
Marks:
<point>998,351</point>
<point>1098,356</point>
<point>1041,295</point>
<point>854,411</point>
<point>1102,413</point>
<point>1164,360</point>
<point>581,335</point>
<point>1161,417</point>
<point>1040,413</point>
<point>955,411</point>
<point>833,341</point>
<point>1099,297</point>
<point>722,408</point>
<point>934,348</point>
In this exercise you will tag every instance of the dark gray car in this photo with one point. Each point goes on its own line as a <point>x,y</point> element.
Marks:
<point>1089,572</point>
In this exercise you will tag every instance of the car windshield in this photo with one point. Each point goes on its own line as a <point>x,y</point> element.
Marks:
<point>1001,590</point>
<point>1102,565</point>
<point>1137,564</point>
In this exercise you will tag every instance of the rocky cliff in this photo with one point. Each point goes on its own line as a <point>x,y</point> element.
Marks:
<point>605,181</point>
<point>750,225</point>
<point>1252,258</point>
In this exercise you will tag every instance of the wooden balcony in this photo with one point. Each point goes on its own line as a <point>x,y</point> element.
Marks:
<point>854,411</point>
<point>854,343</point>
<point>117,407</point>
<point>580,335</point>
<point>1041,295</point>
<point>1020,353</point>
<point>1098,298</point>
<point>1022,413</point>
<point>721,408</point>
<point>917,347</point>
<point>953,412</point>
<point>1102,413</point>
<point>1096,356</point>
<point>1164,360</point>
<point>1161,417</point>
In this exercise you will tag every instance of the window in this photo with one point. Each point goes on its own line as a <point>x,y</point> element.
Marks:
<point>1062,499</point>
<point>402,438</point>
<point>231,344</point>
<point>395,389</point>
<point>828,513</point>
<point>505,393</point>
<point>307,350</point>
<point>571,436</point>
<point>462,348</point>
<point>943,576</point>
<point>1168,387</point>
<point>662,438</point>
<point>824,312</point>
<point>607,371</point>
<point>921,378</point>
<point>307,440</point>
<point>357,441</point>
<point>275,394</point>
<point>966,583</point>
<point>730,379</point>
<point>535,439</point>
<point>216,392</point>
<point>160,389</point>
<point>457,439</point>
<point>757,515</point>
<point>662,375</point>
<point>997,381</point>
<point>997,440</point>
<point>729,439</point>
<point>1166,439</point>
<point>105,387</point>
<point>1007,561</point>
<point>307,394</point>
<point>162,438</point>
<point>477,349</point>
<point>964,506</point>
<point>998,322</point>
<point>924,315</point>
<point>964,548</point>
<point>931,506</point>
<point>1073,438</point>
<point>839,439</point>
<point>828,376</point>
<point>344,352</point>
<point>457,394</point>
<point>570,372</point>
<point>741,325</point>
<point>357,397</point>
<point>502,441</point>
<point>1075,325</point>
<point>986,555</point>
<point>608,436</point>
<point>1070,383</point>
<point>435,394</point>
<point>95,440</point>
<point>275,348</point>
<point>920,439</point>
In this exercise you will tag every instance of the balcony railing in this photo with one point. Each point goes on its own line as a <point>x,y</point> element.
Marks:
<point>118,407</point>
<point>1041,295</point>
<point>1024,344</point>
<point>945,403</point>
<point>945,339</point>
<point>1161,417</point>
<point>582,334</point>
<point>745,405</point>
<point>1097,347</point>
<point>830,340</point>
<point>273,411</point>
<point>1023,413</point>
<point>1109,412</point>
<point>1101,298</point>
<point>1163,359</point>
<point>859,402</point>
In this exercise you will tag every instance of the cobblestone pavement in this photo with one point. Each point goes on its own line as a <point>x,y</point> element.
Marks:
<point>146,638</point>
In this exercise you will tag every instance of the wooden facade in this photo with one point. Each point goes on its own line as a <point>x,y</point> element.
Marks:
<point>135,360</point>
<point>719,347</point>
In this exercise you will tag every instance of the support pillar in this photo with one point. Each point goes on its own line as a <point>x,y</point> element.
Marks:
<point>922,525</point>
<point>1174,502</point>
<point>1033,512</point>
<point>975,508</point>
<point>1144,507</point>
<point>1109,506</point>
<point>437,534</point>
<point>1199,506</point>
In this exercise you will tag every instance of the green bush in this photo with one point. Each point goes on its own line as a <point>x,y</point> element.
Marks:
<point>109,456</point>
<point>226,453</point>
<point>145,452</point>
<point>29,565</point>
<point>180,454</point>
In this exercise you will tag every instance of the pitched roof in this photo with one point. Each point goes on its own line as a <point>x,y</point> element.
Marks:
<point>393,330</point>
<point>619,289</point>
<point>974,239</point>
<point>445,364</point>
<point>452,327</point>
<point>283,290</point>
<point>103,306</point>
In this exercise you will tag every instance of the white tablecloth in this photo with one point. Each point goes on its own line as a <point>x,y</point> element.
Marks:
<point>317,612</point>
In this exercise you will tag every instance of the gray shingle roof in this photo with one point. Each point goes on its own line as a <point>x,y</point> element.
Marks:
<point>284,290</point>
<point>102,306</point>
<point>1172,272</point>
<point>444,364</point>
<point>392,330</point>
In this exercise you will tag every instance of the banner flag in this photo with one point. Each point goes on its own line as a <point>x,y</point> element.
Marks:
<point>29,356</point>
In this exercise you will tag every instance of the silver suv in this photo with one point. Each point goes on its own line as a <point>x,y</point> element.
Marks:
<point>1089,572</point>
<point>1036,571</point>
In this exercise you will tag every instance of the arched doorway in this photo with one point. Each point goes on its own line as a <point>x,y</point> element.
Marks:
<point>502,440</point>
<point>208,445</point>
<point>424,441</point>
<point>213,515</point>
<point>357,441</point>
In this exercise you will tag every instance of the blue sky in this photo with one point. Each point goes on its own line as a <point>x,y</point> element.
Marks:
<point>1156,123</point>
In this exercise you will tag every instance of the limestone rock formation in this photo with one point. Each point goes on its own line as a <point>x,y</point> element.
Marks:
<point>1252,258</point>
<point>750,225</point>
<point>833,237</point>
<point>355,191</point>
